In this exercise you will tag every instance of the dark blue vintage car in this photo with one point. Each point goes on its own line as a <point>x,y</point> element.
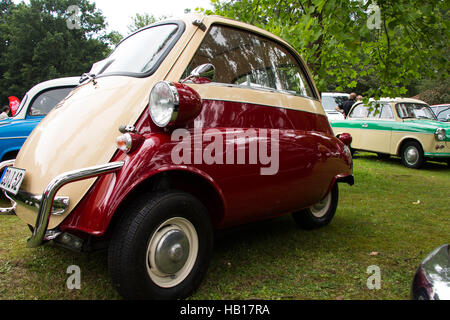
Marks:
<point>35,105</point>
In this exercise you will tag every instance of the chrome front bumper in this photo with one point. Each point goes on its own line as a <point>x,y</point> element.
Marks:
<point>10,210</point>
<point>47,203</point>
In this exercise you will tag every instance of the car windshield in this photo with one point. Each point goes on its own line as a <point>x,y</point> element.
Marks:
<point>442,113</point>
<point>331,102</point>
<point>414,111</point>
<point>142,52</point>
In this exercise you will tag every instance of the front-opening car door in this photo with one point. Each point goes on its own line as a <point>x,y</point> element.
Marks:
<point>262,89</point>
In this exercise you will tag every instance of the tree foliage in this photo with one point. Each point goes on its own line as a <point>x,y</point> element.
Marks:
<point>347,49</point>
<point>36,43</point>
<point>143,20</point>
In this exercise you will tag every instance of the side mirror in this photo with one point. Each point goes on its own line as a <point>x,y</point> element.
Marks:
<point>206,70</point>
<point>202,74</point>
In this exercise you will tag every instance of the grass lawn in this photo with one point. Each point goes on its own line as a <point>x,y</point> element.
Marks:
<point>401,214</point>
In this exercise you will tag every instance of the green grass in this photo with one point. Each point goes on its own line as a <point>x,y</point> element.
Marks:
<point>274,259</point>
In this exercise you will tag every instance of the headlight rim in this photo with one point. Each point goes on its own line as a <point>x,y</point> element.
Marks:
<point>176,104</point>
<point>440,134</point>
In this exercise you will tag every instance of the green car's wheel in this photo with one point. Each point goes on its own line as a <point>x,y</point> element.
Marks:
<point>412,155</point>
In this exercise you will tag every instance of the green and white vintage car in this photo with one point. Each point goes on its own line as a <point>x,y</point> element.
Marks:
<point>407,128</point>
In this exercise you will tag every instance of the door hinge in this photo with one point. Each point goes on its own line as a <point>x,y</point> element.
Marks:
<point>199,24</point>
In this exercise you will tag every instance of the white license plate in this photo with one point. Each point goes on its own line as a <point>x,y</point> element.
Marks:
<point>12,179</point>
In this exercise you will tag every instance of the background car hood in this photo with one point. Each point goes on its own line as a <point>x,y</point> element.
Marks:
<point>80,132</point>
<point>428,123</point>
<point>17,127</point>
<point>427,126</point>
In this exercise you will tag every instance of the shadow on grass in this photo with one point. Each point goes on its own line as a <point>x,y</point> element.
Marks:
<point>393,160</point>
<point>276,236</point>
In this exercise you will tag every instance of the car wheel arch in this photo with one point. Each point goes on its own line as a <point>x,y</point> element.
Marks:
<point>404,141</point>
<point>9,155</point>
<point>198,185</point>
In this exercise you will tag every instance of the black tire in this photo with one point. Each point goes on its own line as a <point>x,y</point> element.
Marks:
<point>312,218</point>
<point>383,156</point>
<point>160,216</point>
<point>412,155</point>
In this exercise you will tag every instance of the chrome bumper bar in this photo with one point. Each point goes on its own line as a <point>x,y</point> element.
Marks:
<point>4,211</point>
<point>46,202</point>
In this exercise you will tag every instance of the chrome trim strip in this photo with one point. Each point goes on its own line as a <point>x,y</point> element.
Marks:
<point>13,138</point>
<point>5,164</point>
<point>52,188</point>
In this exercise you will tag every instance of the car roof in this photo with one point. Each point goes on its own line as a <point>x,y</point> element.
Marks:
<point>334,94</point>
<point>399,100</point>
<point>59,82</point>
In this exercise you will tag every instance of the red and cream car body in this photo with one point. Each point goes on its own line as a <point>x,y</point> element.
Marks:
<point>219,86</point>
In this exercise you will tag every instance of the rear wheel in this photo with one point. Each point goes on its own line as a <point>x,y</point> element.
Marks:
<point>412,155</point>
<point>319,214</point>
<point>161,247</point>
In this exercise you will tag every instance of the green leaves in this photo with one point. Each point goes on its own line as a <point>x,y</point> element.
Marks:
<point>37,45</point>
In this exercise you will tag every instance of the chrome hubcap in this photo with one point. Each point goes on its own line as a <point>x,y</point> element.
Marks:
<point>320,208</point>
<point>172,251</point>
<point>411,155</point>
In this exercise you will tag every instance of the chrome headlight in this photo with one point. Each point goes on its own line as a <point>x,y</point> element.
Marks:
<point>440,134</point>
<point>163,104</point>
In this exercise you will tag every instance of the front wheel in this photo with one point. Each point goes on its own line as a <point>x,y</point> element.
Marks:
<point>412,155</point>
<point>161,247</point>
<point>319,214</point>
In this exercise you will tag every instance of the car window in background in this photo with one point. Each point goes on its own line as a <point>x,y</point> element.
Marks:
<point>249,60</point>
<point>330,102</point>
<point>359,111</point>
<point>47,100</point>
<point>380,111</point>
<point>414,111</point>
<point>386,112</point>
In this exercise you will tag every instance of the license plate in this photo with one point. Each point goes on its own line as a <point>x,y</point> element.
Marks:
<point>12,179</point>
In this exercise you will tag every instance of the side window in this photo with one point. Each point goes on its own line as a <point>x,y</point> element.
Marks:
<point>47,100</point>
<point>360,111</point>
<point>386,112</point>
<point>375,112</point>
<point>246,59</point>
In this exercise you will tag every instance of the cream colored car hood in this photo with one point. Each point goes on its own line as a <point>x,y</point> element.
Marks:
<point>78,134</point>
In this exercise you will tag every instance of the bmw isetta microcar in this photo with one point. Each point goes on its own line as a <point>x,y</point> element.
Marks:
<point>189,126</point>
